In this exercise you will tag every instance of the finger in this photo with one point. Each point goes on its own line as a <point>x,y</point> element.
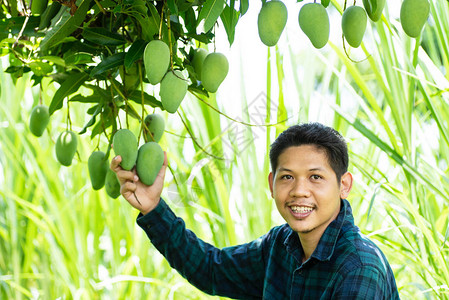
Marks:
<point>124,176</point>
<point>128,188</point>
<point>115,163</point>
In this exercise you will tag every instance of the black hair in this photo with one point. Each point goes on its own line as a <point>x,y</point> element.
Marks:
<point>323,137</point>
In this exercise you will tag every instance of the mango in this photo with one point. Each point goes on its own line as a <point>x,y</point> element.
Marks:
<point>97,165</point>
<point>271,22</point>
<point>173,90</point>
<point>156,126</point>
<point>413,15</point>
<point>215,69</point>
<point>112,185</point>
<point>39,119</point>
<point>374,9</point>
<point>353,24</point>
<point>314,22</point>
<point>66,145</point>
<point>125,144</point>
<point>130,77</point>
<point>156,58</point>
<point>149,162</point>
<point>197,62</point>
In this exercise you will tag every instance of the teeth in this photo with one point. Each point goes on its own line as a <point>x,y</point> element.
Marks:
<point>301,209</point>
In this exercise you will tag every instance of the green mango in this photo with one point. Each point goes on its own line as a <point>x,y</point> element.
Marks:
<point>149,162</point>
<point>414,14</point>
<point>271,22</point>
<point>197,61</point>
<point>66,145</point>
<point>156,58</point>
<point>215,69</point>
<point>374,8</point>
<point>314,22</point>
<point>39,119</point>
<point>173,90</point>
<point>112,185</point>
<point>97,165</point>
<point>125,144</point>
<point>156,126</point>
<point>130,77</point>
<point>353,24</point>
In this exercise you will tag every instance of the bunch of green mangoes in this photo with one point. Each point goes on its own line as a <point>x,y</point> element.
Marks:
<point>173,84</point>
<point>101,175</point>
<point>147,159</point>
<point>210,68</point>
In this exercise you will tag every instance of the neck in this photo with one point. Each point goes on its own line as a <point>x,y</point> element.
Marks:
<point>309,242</point>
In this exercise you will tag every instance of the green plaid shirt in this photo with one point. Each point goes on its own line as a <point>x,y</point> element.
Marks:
<point>345,264</point>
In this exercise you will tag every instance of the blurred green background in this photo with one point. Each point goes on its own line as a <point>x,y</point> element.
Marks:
<point>59,239</point>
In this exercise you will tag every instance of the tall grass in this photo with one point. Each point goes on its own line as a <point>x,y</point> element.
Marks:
<point>59,238</point>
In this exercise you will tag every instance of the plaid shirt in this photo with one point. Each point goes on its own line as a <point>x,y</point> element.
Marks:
<point>345,264</point>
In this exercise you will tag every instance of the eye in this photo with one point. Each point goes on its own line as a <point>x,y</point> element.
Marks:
<point>316,177</point>
<point>286,176</point>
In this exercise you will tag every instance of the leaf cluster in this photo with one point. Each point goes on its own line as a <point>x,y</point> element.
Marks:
<point>99,45</point>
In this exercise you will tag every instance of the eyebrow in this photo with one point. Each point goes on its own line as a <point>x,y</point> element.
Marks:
<point>310,170</point>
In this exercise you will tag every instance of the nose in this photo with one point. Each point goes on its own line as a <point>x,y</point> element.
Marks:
<point>300,189</point>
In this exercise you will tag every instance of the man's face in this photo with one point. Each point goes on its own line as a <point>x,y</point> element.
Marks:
<point>306,189</point>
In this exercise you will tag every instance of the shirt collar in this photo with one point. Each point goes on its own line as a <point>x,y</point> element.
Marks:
<point>328,240</point>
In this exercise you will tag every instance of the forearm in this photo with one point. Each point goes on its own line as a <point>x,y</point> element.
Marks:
<point>231,272</point>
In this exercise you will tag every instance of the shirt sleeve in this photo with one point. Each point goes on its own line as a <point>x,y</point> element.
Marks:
<point>234,272</point>
<point>365,282</point>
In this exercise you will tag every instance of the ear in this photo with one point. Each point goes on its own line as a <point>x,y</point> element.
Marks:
<point>345,185</point>
<point>270,182</point>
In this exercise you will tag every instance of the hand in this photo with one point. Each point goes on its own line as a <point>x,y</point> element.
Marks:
<point>141,196</point>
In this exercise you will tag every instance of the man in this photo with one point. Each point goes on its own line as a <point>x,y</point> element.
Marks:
<point>318,254</point>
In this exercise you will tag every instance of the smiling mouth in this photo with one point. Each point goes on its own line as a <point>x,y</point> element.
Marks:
<point>301,212</point>
<point>301,209</point>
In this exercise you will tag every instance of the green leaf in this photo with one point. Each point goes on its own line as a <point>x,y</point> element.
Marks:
<point>102,36</point>
<point>91,122</point>
<point>134,52</point>
<point>69,86</point>
<point>40,68</point>
<point>54,59</point>
<point>78,58</point>
<point>172,7</point>
<point>325,3</point>
<point>244,5</point>
<point>136,96</point>
<point>230,17</point>
<point>108,63</point>
<point>210,12</point>
<point>205,38</point>
<point>87,99</point>
<point>66,26</point>
<point>190,20</point>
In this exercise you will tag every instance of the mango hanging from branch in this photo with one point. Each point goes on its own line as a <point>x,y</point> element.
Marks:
<point>214,71</point>
<point>353,24</point>
<point>314,22</point>
<point>156,59</point>
<point>414,14</point>
<point>173,90</point>
<point>271,22</point>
